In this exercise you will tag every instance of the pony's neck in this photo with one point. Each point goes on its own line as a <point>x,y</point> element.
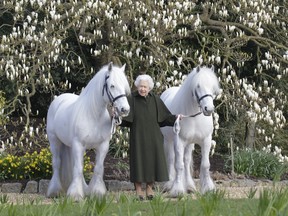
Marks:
<point>185,98</point>
<point>186,102</point>
<point>91,100</point>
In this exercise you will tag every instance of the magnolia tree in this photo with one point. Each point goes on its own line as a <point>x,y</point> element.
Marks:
<point>48,47</point>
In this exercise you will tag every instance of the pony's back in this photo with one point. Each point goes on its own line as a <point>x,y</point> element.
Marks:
<point>66,98</point>
<point>168,95</point>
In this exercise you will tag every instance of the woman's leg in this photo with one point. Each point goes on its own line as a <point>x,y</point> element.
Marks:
<point>138,188</point>
<point>149,190</point>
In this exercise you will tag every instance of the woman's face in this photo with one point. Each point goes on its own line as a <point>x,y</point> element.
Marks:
<point>143,88</point>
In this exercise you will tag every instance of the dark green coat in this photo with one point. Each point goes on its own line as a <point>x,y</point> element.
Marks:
<point>147,157</point>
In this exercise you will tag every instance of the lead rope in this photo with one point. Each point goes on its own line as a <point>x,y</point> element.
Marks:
<point>177,127</point>
<point>115,119</point>
<point>115,122</point>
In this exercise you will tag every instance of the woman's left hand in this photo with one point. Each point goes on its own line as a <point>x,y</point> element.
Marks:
<point>180,116</point>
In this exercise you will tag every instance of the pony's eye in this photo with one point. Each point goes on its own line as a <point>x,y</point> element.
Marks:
<point>112,86</point>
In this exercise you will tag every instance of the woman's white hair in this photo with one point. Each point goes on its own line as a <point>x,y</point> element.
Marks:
<point>144,77</point>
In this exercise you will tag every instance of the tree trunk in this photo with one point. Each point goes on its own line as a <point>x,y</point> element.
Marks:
<point>250,134</point>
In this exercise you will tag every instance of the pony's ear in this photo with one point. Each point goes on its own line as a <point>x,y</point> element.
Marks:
<point>198,69</point>
<point>123,67</point>
<point>110,65</point>
<point>212,67</point>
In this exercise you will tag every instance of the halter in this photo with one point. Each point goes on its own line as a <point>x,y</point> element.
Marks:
<point>176,127</point>
<point>109,94</point>
<point>116,119</point>
<point>198,100</point>
<point>202,97</point>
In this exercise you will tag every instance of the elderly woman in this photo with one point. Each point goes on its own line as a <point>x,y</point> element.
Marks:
<point>147,158</point>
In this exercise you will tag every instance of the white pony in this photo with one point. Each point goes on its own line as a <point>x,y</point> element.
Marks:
<point>194,99</point>
<point>76,123</point>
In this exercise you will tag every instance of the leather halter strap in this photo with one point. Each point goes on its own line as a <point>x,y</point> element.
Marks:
<point>202,97</point>
<point>198,100</point>
<point>110,96</point>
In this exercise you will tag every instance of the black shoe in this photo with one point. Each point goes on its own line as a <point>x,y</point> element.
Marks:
<point>150,197</point>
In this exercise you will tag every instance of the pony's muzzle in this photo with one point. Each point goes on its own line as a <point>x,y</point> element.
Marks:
<point>124,111</point>
<point>207,111</point>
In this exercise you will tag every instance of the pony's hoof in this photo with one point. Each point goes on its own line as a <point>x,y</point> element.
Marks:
<point>167,186</point>
<point>191,189</point>
<point>52,193</point>
<point>176,193</point>
<point>75,195</point>
<point>76,198</point>
<point>208,188</point>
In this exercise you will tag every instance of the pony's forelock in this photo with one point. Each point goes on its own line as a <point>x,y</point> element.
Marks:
<point>205,76</point>
<point>118,74</point>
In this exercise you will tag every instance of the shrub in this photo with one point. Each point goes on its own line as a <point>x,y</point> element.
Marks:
<point>35,166</point>
<point>258,163</point>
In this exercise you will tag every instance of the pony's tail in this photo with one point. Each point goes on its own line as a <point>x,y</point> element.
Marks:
<point>66,166</point>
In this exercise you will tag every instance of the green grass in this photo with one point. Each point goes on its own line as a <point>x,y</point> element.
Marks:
<point>271,202</point>
<point>127,205</point>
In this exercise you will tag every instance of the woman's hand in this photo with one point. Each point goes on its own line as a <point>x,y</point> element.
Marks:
<point>180,116</point>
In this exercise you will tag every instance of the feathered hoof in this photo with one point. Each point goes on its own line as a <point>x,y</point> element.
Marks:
<point>176,191</point>
<point>75,193</point>
<point>191,189</point>
<point>97,193</point>
<point>53,194</point>
<point>167,186</point>
<point>175,194</point>
<point>76,197</point>
<point>97,189</point>
<point>54,190</point>
<point>207,188</point>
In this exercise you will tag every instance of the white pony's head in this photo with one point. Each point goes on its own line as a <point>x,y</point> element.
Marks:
<point>205,87</point>
<point>116,89</point>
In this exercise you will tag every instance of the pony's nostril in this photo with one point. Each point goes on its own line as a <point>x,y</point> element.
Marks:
<point>123,110</point>
<point>211,109</point>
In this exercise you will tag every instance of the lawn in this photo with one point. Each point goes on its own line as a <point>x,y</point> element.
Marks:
<point>169,207</point>
<point>270,202</point>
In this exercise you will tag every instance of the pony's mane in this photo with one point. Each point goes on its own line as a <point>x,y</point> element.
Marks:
<point>91,95</point>
<point>204,77</point>
<point>93,90</point>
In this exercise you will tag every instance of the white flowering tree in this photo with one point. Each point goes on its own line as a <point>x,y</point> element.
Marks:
<point>51,46</point>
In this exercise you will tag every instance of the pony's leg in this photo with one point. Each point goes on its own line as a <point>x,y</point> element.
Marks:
<point>188,163</point>
<point>170,160</point>
<point>55,186</point>
<point>97,186</point>
<point>178,184</point>
<point>76,190</point>
<point>205,178</point>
